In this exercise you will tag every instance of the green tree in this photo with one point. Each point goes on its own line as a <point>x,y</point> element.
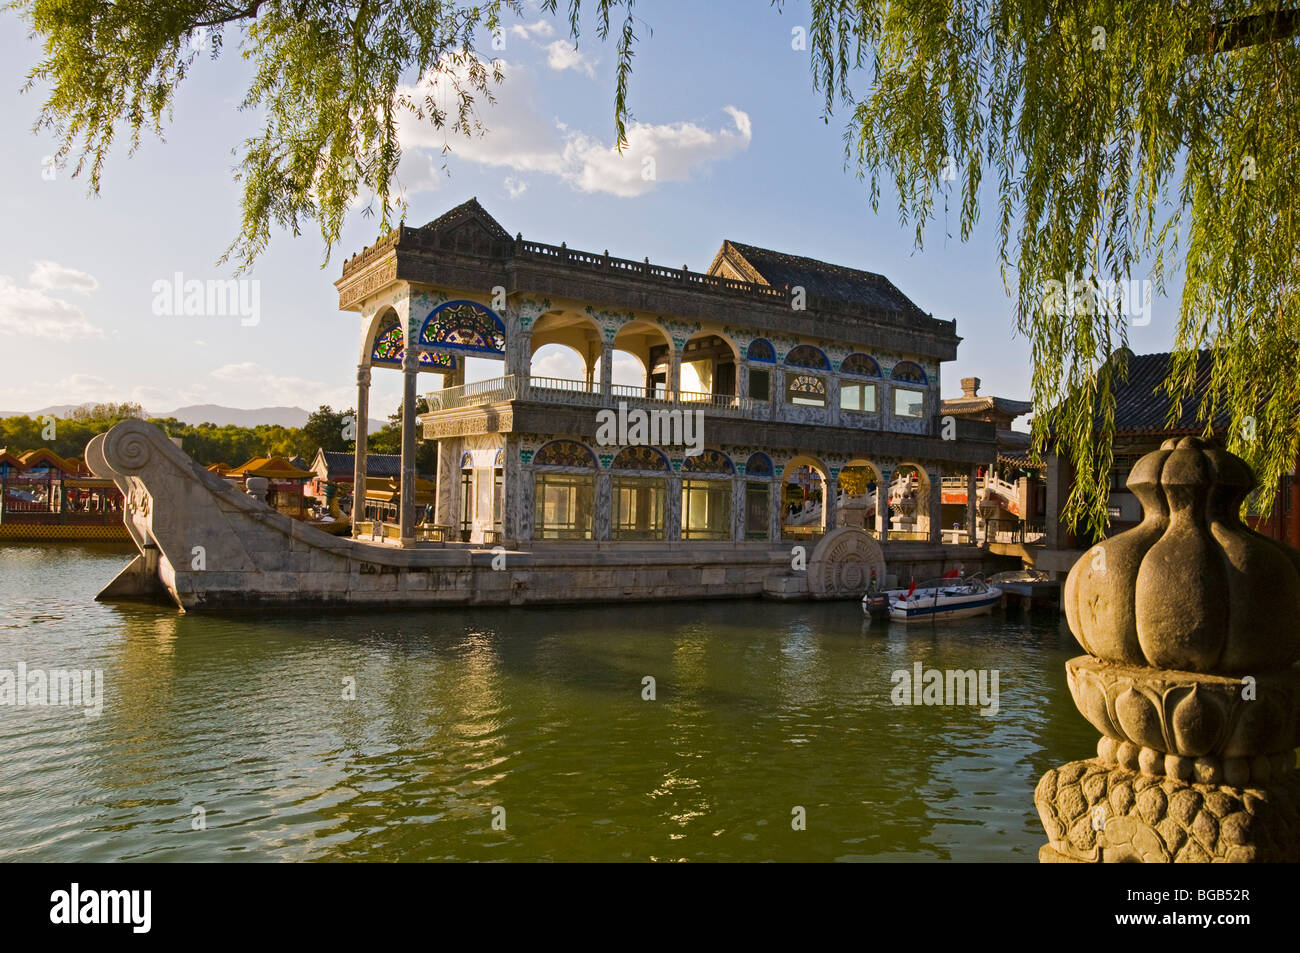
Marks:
<point>1126,139</point>
<point>326,429</point>
<point>331,79</point>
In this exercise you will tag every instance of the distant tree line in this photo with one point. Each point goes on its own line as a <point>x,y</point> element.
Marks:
<point>208,443</point>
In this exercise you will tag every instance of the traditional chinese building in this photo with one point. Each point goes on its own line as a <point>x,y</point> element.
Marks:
<point>804,375</point>
<point>1142,424</point>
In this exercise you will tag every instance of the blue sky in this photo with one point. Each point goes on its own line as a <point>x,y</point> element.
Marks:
<point>719,97</point>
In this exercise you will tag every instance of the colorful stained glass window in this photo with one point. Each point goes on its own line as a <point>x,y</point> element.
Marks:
<point>907,371</point>
<point>760,464</point>
<point>709,461</point>
<point>464,326</point>
<point>564,453</point>
<point>761,350</point>
<point>860,364</point>
<point>805,355</point>
<point>640,458</point>
<point>444,362</point>
<point>388,343</point>
<point>807,384</point>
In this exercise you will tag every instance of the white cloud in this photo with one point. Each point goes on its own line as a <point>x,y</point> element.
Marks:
<point>562,55</point>
<point>515,187</point>
<point>31,313</point>
<point>518,138</point>
<point>538,30</point>
<point>241,381</point>
<point>50,275</point>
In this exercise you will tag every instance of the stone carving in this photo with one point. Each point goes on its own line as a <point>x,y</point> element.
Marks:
<point>842,564</point>
<point>1192,624</point>
<point>368,282</point>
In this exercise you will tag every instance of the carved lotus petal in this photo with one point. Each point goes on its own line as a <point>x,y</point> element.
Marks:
<point>1196,723</point>
<point>1139,719</point>
<point>1090,698</point>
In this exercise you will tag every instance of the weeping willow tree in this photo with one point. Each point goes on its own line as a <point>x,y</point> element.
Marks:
<point>332,81</point>
<point>1128,142</point>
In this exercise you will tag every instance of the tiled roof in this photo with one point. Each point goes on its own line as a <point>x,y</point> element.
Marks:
<point>975,405</point>
<point>466,211</point>
<point>377,464</point>
<point>275,468</point>
<point>821,278</point>
<point>1141,405</point>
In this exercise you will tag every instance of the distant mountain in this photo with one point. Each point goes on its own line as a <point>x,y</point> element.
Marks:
<point>237,416</point>
<point>204,413</point>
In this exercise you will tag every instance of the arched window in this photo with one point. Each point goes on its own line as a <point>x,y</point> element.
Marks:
<point>758,496</point>
<point>805,355</point>
<point>805,390</point>
<point>564,502</point>
<point>708,461</point>
<point>706,500</point>
<point>465,326</point>
<point>909,372</point>
<point>639,502</point>
<point>761,350</point>
<point>639,458</point>
<point>390,350</point>
<point>861,364</point>
<point>388,347</point>
<point>564,453</point>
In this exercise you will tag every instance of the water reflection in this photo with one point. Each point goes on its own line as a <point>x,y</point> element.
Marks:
<point>760,709</point>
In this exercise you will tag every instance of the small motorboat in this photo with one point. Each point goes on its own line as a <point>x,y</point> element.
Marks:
<point>948,598</point>
<point>876,601</point>
<point>876,604</point>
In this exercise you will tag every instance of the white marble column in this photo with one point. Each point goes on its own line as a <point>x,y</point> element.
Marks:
<point>362,427</point>
<point>882,505</point>
<point>513,504</point>
<point>972,489</point>
<point>936,506</point>
<point>410,375</point>
<point>833,400</point>
<point>606,373</point>
<point>675,374</point>
<point>830,502</point>
<point>673,508</point>
<point>737,509</point>
<point>604,516</point>
<point>776,509</point>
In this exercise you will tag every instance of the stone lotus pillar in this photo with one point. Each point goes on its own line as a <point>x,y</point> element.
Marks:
<point>1191,622</point>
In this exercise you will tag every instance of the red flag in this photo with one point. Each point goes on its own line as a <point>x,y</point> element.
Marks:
<point>952,574</point>
<point>911,589</point>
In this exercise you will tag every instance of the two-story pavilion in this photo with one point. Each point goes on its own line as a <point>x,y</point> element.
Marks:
<point>817,385</point>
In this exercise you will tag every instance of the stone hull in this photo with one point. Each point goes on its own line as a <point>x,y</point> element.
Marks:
<point>206,545</point>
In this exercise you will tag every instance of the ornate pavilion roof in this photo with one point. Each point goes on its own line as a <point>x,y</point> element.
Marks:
<point>273,468</point>
<point>781,270</point>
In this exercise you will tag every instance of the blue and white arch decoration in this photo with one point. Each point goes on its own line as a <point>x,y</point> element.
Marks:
<point>466,326</point>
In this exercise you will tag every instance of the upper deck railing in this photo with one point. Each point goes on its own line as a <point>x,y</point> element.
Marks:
<point>558,390</point>
<point>419,239</point>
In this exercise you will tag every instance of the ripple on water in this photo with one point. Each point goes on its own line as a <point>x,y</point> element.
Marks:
<point>534,719</point>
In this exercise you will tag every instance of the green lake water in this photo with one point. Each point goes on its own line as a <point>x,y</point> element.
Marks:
<point>532,718</point>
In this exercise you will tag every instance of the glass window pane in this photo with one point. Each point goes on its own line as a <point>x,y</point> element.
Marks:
<point>909,403</point>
